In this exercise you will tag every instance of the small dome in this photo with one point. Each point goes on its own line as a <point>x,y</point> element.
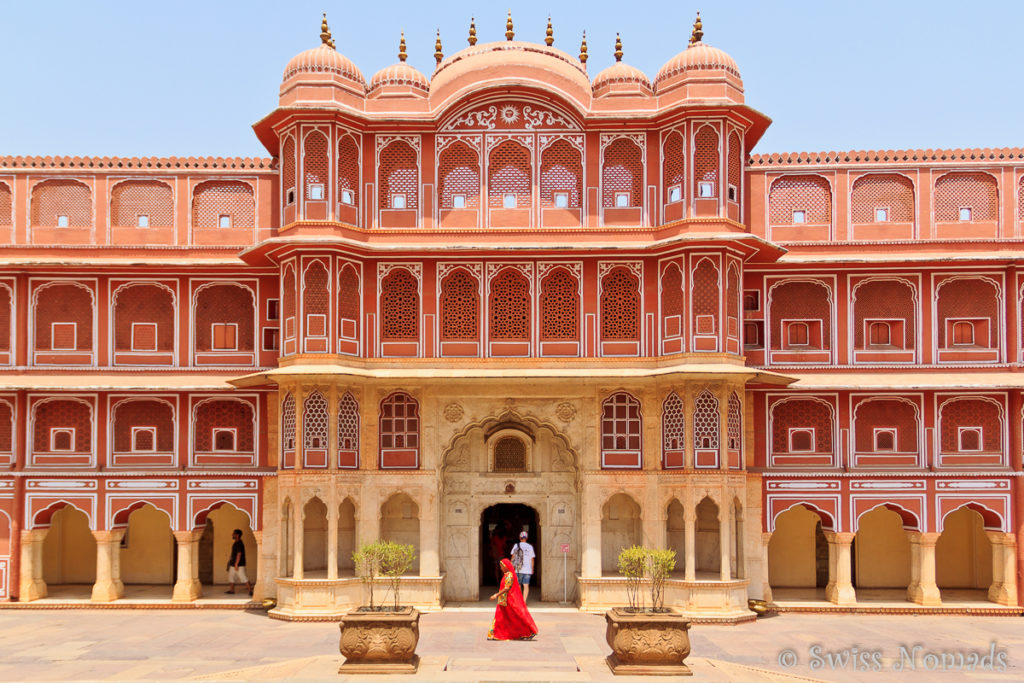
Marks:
<point>323,59</point>
<point>400,74</point>
<point>698,57</point>
<point>621,78</point>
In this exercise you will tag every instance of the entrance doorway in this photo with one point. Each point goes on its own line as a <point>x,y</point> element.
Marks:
<point>499,532</point>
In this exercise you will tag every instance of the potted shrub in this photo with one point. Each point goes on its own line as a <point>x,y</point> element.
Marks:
<point>653,641</point>
<point>381,637</point>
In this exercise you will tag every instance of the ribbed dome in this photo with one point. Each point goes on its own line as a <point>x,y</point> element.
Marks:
<point>323,59</point>
<point>621,74</point>
<point>698,57</point>
<point>400,74</point>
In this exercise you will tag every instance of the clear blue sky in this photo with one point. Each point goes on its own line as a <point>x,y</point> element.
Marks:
<point>189,78</point>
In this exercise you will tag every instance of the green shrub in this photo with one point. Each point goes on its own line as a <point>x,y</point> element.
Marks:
<point>383,558</point>
<point>632,562</point>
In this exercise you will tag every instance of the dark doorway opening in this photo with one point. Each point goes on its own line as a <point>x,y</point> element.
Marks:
<point>499,532</point>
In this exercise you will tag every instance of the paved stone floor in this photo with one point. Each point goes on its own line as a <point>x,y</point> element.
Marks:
<point>123,644</point>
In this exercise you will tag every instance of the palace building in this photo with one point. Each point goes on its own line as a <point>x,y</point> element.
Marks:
<point>515,294</point>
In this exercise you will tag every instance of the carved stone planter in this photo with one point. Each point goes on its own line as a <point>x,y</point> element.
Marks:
<point>380,642</point>
<point>648,643</point>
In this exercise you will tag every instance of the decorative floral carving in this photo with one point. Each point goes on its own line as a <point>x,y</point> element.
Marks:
<point>565,411</point>
<point>511,115</point>
<point>453,412</point>
<point>379,639</point>
<point>657,642</point>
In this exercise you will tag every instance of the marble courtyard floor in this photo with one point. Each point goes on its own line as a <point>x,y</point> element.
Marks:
<point>212,644</point>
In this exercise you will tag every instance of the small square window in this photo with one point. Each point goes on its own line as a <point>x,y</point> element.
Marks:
<point>347,197</point>
<point>965,213</point>
<point>271,339</point>
<point>143,439</point>
<point>273,309</point>
<point>316,191</point>
<point>62,439</point>
<point>508,201</point>
<point>970,438</point>
<point>62,221</point>
<point>225,337</point>
<point>224,221</point>
<point>562,200</point>
<point>398,201</point>
<point>885,440</point>
<point>675,194</point>
<point>733,193</point>
<point>143,221</point>
<point>799,217</point>
<point>289,196</point>
<point>224,439</point>
<point>706,189</point>
<point>881,215</point>
<point>458,201</point>
<point>621,199</point>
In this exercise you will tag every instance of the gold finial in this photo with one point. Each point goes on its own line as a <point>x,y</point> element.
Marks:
<point>583,50</point>
<point>401,49</point>
<point>472,31</point>
<point>325,33</point>
<point>509,33</point>
<point>438,50</point>
<point>618,48</point>
<point>549,36</point>
<point>698,31</point>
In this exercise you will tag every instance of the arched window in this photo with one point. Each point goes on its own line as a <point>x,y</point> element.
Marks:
<point>800,315</point>
<point>559,307</point>
<point>706,429</point>
<point>509,176</point>
<point>398,177</point>
<point>509,455</point>
<point>735,424</point>
<point>966,197</point>
<point>673,432</point>
<point>63,316</point>
<point>705,163</point>
<point>223,204</point>
<point>400,306</point>
<point>732,305</point>
<point>800,199</point>
<point>316,298</point>
<point>348,171</point>
<point>143,321</point>
<point>509,307</point>
<point>800,425</point>
<point>143,426</point>
<point>458,185</point>
<point>399,432</point>
<point>460,307</point>
<point>288,170</point>
<point>968,312</point>
<point>882,198</point>
<point>288,308</point>
<point>884,314</point>
<point>63,203</point>
<point>735,167</point>
<point>673,306</point>
<point>314,430</point>
<point>348,431</point>
<point>288,431</point>
<point>620,432</point>
<point>561,176</point>
<point>6,206</point>
<point>620,306</point>
<point>622,175</point>
<point>225,316</point>
<point>142,204</point>
<point>315,165</point>
<point>706,299</point>
<point>225,427</point>
<point>673,168</point>
<point>348,308</point>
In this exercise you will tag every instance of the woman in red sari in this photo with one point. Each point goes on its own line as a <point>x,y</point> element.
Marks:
<point>512,621</point>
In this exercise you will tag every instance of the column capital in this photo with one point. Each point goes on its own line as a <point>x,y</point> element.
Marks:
<point>841,537</point>
<point>928,538</point>
<point>766,536</point>
<point>109,536</point>
<point>183,537</point>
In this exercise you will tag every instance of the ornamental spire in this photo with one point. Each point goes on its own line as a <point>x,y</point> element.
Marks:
<point>509,33</point>
<point>549,35</point>
<point>402,55</point>
<point>583,51</point>
<point>698,31</point>
<point>325,33</point>
<point>438,50</point>
<point>618,48</point>
<point>472,31</point>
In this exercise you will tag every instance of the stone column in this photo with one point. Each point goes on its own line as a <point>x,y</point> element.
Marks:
<point>591,533</point>
<point>1003,590</point>
<point>259,586</point>
<point>108,546</point>
<point>430,557</point>
<point>32,586</point>
<point>115,564</point>
<point>922,588</point>
<point>332,541</point>
<point>690,537</point>
<point>725,541</point>
<point>688,450</point>
<point>298,541</point>
<point>187,587</point>
<point>840,585</point>
<point>301,391</point>
<point>766,589</point>
<point>722,394</point>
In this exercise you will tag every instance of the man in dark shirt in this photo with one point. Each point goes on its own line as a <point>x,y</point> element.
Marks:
<point>236,565</point>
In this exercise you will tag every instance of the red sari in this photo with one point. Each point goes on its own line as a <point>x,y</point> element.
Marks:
<point>512,621</point>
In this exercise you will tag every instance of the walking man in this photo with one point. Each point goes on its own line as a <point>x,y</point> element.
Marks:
<point>236,565</point>
<point>523,557</point>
